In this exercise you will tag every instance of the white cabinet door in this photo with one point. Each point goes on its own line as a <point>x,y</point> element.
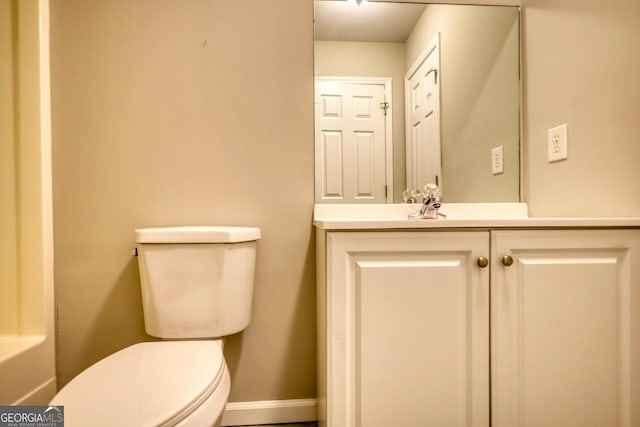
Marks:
<point>407,330</point>
<point>566,328</point>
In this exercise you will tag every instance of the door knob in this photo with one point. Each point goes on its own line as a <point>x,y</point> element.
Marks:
<point>483,262</point>
<point>507,260</point>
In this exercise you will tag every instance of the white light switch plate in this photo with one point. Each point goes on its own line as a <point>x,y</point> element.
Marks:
<point>557,143</point>
<point>497,160</point>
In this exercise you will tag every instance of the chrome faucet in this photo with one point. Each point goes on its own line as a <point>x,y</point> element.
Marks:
<point>430,204</point>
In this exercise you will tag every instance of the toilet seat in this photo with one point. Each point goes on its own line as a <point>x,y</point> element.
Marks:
<point>153,383</point>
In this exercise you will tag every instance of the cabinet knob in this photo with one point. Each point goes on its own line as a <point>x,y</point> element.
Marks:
<point>483,262</point>
<point>507,260</point>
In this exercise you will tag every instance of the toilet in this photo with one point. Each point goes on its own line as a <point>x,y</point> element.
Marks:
<point>197,288</point>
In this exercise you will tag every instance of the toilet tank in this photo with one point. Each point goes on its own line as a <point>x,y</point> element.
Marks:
<point>197,282</point>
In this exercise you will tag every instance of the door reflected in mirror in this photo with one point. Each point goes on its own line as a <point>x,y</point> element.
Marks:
<point>408,94</point>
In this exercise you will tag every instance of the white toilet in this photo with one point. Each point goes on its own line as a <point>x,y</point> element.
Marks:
<point>197,287</point>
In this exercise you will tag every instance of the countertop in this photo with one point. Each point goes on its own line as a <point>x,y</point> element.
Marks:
<point>459,215</point>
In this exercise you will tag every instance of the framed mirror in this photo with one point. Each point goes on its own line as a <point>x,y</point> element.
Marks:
<point>409,93</point>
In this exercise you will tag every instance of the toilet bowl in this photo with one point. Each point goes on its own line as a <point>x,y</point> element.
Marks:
<point>197,282</point>
<point>174,383</point>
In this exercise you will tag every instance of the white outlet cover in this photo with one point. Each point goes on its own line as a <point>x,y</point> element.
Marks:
<point>557,143</point>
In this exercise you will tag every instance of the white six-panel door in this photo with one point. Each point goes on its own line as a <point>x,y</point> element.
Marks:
<point>422,94</point>
<point>350,134</point>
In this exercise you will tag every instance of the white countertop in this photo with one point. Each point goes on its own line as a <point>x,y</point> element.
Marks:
<point>459,215</point>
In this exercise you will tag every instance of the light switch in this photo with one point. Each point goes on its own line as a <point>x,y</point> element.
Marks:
<point>497,160</point>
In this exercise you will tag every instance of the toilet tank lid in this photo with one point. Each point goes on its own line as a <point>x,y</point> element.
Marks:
<point>197,234</point>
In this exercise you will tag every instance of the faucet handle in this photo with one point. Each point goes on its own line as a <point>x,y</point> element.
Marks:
<point>430,191</point>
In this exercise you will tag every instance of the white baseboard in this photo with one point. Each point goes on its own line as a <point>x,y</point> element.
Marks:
<point>269,412</point>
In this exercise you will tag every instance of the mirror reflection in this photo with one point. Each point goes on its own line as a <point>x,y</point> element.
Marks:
<point>408,94</point>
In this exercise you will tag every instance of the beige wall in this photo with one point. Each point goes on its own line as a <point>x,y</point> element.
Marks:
<point>360,59</point>
<point>582,67</point>
<point>480,95</point>
<point>168,113</point>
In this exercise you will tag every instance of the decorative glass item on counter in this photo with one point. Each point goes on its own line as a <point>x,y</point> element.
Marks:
<point>416,196</point>
<point>412,196</point>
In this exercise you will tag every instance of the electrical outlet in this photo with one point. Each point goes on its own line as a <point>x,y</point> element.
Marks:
<point>557,143</point>
<point>497,160</point>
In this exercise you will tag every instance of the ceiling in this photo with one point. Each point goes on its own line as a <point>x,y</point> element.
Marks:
<point>371,22</point>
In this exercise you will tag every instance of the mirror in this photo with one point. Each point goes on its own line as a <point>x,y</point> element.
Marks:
<point>443,81</point>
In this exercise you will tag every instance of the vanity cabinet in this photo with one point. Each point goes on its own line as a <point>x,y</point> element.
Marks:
<point>479,328</point>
